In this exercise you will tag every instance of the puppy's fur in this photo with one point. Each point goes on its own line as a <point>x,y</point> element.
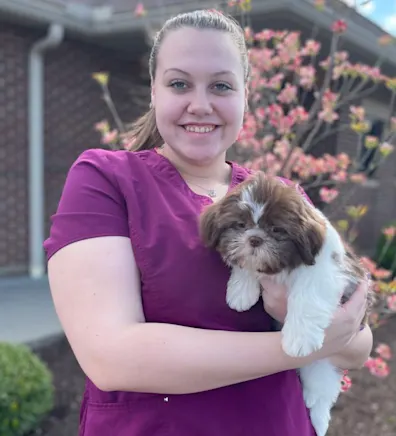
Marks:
<point>265,227</point>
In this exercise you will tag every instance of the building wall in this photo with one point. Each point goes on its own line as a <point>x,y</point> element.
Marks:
<point>73,105</point>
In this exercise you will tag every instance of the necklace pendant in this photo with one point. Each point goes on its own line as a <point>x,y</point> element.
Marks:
<point>212,193</point>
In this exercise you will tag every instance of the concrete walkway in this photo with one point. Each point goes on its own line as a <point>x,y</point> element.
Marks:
<point>27,314</point>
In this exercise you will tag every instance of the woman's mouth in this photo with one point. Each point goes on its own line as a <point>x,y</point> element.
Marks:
<point>199,129</point>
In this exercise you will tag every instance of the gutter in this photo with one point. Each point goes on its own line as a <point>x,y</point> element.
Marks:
<point>36,183</point>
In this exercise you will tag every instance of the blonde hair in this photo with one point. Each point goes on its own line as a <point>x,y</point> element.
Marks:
<point>143,132</point>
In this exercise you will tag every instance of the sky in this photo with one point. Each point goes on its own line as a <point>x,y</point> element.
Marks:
<point>381,12</point>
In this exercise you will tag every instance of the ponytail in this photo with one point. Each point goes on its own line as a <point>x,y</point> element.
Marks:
<point>143,133</point>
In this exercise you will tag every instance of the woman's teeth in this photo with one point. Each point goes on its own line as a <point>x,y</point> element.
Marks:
<point>200,129</point>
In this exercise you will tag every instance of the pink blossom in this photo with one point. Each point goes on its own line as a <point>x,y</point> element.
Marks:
<point>298,114</point>
<point>307,76</point>
<point>340,176</point>
<point>384,351</point>
<point>343,160</point>
<point>109,137</point>
<point>102,126</point>
<point>328,116</point>
<point>389,232</point>
<point>346,383</point>
<point>327,194</point>
<point>391,301</point>
<point>339,26</point>
<point>140,11</point>
<point>386,148</point>
<point>265,35</point>
<point>377,366</point>
<point>282,148</point>
<point>311,48</point>
<point>288,94</point>
<point>329,99</point>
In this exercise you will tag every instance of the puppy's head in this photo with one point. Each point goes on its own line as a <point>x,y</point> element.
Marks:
<point>264,225</point>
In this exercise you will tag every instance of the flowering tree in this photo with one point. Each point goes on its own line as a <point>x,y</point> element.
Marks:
<point>296,100</point>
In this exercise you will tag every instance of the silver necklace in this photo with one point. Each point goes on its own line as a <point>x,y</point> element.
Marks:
<point>212,193</point>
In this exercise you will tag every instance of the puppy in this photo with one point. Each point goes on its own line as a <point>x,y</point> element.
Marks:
<point>265,227</point>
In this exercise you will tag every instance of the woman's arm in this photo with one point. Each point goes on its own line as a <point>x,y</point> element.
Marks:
<point>96,290</point>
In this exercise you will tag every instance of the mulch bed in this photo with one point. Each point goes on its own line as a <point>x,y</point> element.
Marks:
<point>368,409</point>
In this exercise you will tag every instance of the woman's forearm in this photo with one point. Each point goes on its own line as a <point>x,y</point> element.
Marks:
<point>356,352</point>
<point>170,359</point>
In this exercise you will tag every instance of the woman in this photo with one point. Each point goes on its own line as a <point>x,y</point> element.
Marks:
<point>142,302</point>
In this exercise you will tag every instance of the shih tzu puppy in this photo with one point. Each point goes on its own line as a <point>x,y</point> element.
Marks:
<point>267,228</point>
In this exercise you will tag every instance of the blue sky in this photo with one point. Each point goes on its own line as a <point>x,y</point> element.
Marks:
<point>382,12</point>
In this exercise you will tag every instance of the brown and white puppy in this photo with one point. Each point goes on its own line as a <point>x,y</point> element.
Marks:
<point>265,227</point>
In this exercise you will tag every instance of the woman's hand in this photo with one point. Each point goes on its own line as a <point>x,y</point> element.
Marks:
<point>346,322</point>
<point>274,299</point>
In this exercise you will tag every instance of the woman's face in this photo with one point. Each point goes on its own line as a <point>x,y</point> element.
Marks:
<point>199,93</point>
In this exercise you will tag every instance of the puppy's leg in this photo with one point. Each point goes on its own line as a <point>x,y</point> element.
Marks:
<point>321,387</point>
<point>313,298</point>
<point>243,290</point>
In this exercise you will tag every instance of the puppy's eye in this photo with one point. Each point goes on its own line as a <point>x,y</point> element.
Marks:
<point>240,225</point>
<point>278,230</point>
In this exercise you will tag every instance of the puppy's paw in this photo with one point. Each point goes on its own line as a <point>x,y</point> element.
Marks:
<point>300,342</point>
<point>243,290</point>
<point>239,300</point>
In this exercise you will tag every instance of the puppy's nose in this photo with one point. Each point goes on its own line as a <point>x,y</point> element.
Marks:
<point>255,241</point>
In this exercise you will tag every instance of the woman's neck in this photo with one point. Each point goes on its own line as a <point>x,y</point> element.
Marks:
<point>216,172</point>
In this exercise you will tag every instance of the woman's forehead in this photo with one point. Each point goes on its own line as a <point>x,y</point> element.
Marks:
<point>188,48</point>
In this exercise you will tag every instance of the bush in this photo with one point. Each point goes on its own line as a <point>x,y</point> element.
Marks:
<point>26,390</point>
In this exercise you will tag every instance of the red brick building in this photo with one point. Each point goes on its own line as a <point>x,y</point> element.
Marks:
<point>49,102</point>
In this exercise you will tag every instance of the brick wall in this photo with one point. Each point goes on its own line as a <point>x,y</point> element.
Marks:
<point>73,105</point>
<point>378,193</point>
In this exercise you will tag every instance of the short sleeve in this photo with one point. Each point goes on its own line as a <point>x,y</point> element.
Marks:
<point>91,204</point>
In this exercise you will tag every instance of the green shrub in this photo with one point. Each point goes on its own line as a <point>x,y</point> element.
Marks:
<point>26,390</point>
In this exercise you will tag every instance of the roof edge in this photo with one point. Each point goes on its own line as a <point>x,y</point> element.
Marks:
<point>104,21</point>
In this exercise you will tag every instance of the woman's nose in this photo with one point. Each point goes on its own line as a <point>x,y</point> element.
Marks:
<point>200,104</point>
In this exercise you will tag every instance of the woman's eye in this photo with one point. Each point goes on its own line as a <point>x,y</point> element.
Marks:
<point>222,87</point>
<point>178,84</point>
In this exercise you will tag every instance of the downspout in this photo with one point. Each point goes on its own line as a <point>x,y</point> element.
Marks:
<point>36,158</point>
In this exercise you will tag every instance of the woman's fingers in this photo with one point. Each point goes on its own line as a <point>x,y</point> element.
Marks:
<point>356,306</point>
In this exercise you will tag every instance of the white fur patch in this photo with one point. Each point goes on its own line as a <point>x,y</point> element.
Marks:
<point>321,387</point>
<point>313,297</point>
<point>257,209</point>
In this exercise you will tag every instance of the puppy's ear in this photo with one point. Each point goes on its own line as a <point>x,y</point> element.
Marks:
<point>209,226</point>
<point>309,239</point>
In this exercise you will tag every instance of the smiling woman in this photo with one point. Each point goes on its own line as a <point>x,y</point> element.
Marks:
<point>141,300</point>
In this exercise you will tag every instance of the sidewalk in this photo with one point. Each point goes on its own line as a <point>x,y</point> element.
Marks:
<point>27,314</point>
